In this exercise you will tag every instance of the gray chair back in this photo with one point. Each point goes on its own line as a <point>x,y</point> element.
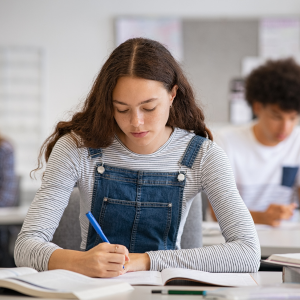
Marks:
<point>68,234</point>
<point>192,231</point>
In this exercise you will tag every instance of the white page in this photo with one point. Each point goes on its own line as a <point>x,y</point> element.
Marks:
<point>139,278</point>
<point>82,291</point>
<point>222,279</point>
<point>289,257</point>
<point>13,272</point>
<point>63,281</point>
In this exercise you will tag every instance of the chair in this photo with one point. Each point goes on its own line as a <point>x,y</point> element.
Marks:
<point>192,231</point>
<point>68,235</point>
<point>68,232</point>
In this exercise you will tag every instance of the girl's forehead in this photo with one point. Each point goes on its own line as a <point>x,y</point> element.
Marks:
<point>137,90</point>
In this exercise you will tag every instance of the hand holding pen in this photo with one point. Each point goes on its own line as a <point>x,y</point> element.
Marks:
<point>109,258</point>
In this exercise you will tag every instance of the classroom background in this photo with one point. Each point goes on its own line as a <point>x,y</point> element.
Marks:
<point>51,51</point>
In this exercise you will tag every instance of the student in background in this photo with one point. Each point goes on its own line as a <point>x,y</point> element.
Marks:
<point>8,180</point>
<point>8,197</point>
<point>139,151</point>
<point>265,155</point>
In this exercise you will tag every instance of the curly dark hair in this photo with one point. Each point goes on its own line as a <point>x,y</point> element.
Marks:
<point>138,57</point>
<point>276,82</point>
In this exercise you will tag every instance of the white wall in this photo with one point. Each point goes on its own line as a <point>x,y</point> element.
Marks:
<point>78,34</point>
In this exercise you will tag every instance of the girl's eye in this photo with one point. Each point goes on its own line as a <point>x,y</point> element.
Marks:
<point>149,109</point>
<point>122,111</point>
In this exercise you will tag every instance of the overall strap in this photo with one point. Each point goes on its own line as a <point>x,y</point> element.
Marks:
<point>192,151</point>
<point>93,153</point>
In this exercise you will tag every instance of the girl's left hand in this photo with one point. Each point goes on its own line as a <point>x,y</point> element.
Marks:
<point>137,262</point>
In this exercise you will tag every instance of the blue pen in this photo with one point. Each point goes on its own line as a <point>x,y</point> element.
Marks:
<point>97,227</point>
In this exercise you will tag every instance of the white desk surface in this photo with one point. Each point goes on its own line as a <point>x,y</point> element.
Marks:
<point>13,215</point>
<point>144,292</point>
<point>284,239</point>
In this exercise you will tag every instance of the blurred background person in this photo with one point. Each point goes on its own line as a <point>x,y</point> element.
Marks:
<point>265,154</point>
<point>8,198</point>
<point>8,179</point>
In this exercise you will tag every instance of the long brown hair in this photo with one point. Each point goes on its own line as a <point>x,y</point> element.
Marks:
<point>2,139</point>
<point>138,57</point>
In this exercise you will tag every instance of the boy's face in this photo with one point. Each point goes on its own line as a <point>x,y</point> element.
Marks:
<point>274,124</point>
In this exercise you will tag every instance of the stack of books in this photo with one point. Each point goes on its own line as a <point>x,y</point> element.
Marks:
<point>290,263</point>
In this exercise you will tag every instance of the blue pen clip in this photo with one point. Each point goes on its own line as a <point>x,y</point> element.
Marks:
<point>97,227</point>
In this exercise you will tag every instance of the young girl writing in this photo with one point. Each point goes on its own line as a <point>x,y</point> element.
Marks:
<point>139,152</point>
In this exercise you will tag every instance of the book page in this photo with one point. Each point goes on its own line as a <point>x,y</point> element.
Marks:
<point>13,272</point>
<point>289,258</point>
<point>62,280</point>
<point>221,279</point>
<point>139,278</point>
<point>81,292</point>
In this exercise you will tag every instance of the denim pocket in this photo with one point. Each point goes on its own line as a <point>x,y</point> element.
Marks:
<point>139,226</point>
<point>289,176</point>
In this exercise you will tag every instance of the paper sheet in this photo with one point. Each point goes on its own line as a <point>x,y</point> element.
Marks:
<point>140,278</point>
<point>222,279</point>
<point>12,272</point>
<point>64,281</point>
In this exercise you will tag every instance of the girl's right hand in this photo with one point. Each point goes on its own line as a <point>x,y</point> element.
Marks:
<point>104,260</point>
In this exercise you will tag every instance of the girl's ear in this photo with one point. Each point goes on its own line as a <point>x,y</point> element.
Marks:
<point>173,93</point>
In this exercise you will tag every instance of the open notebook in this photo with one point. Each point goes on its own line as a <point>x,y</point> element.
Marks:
<point>169,275</point>
<point>59,284</point>
<point>289,259</point>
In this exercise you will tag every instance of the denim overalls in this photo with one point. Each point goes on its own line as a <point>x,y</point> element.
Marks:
<point>139,209</point>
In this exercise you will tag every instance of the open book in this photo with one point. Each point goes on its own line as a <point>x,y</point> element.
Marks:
<point>169,275</point>
<point>58,284</point>
<point>289,259</point>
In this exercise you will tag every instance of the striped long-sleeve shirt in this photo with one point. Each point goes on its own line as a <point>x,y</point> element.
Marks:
<point>211,173</point>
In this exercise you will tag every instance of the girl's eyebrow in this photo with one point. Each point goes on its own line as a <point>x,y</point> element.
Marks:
<point>143,102</point>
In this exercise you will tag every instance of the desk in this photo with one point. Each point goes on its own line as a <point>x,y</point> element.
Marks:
<point>13,215</point>
<point>285,239</point>
<point>144,292</point>
<point>11,219</point>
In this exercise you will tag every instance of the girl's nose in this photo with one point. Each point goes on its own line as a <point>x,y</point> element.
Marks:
<point>137,119</point>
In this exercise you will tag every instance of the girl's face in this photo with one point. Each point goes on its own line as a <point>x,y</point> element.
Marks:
<point>141,109</point>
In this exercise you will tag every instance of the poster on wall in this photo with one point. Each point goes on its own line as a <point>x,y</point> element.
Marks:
<point>279,38</point>
<point>167,31</point>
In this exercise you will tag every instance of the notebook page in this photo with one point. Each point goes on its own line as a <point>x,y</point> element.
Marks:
<point>139,278</point>
<point>83,291</point>
<point>289,258</point>
<point>13,272</point>
<point>222,279</point>
<point>62,280</point>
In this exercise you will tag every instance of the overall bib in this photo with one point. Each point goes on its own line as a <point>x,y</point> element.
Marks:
<point>139,209</point>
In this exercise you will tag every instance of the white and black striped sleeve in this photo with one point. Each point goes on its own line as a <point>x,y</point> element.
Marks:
<point>33,247</point>
<point>241,251</point>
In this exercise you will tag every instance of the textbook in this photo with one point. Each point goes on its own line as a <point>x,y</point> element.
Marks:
<point>291,274</point>
<point>61,284</point>
<point>170,275</point>
<point>289,259</point>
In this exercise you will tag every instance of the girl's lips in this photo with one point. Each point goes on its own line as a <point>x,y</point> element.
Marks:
<point>139,134</point>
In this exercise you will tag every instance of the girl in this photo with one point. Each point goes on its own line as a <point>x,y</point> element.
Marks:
<point>139,151</point>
